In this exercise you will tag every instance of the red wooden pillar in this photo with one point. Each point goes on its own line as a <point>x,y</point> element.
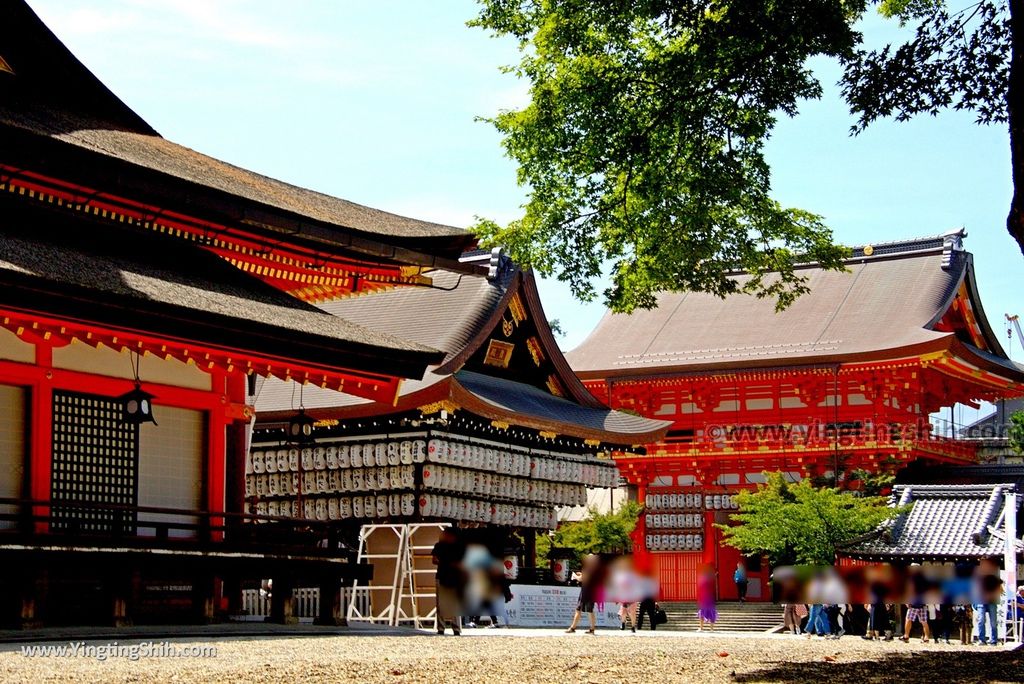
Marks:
<point>234,482</point>
<point>237,444</point>
<point>41,435</point>
<point>216,456</point>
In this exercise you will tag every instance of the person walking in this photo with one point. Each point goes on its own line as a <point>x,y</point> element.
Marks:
<point>817,622</point>
<point>590,582</point>
<point>648,592</point>
<point>836,614</point>
<point>707,615</point>
<point>791,617</point>
<point>740,578</point>
<point>627,613</point>
<point>649,608</point>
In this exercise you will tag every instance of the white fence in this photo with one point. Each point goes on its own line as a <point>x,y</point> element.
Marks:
<point>256,604</point>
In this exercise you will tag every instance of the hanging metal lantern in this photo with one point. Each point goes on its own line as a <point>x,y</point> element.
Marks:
<point>137,406</point>
<point>300,428</point>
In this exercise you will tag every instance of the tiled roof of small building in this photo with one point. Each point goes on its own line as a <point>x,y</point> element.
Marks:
<point>944,522</point>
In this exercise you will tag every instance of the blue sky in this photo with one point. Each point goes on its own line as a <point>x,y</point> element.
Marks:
<point>375,102</point>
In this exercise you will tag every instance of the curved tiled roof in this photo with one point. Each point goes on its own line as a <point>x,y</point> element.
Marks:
<point>527,401</point>
<point>179,285</point>
<point>455,316</point>
<point>445,316</point>
<point>51,96</point>
<point>886,302</point>
<point>945,522</point>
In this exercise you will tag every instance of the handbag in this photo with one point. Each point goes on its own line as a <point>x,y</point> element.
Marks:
<point>660,617</point>
<point>801,610</point>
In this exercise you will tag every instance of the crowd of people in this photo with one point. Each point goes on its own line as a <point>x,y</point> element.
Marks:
<point>470,581</point>
<point>939,604</point>
<point>965,604</point>
<point>614,579</point>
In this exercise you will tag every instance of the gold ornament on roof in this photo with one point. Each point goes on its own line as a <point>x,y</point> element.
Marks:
<point>516,309</point>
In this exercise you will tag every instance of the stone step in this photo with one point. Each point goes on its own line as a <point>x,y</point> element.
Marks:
<point>733,617</point>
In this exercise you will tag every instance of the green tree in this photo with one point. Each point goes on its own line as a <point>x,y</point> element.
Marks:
<point>556,327</point>
<point>598,533</point>
<point>800,523</point>
<point>643,142</point>
<point>875,482</point>
<point>1017,432</point>
<point>963,55</point>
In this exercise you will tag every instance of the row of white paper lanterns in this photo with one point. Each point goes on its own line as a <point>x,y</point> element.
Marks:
<point>407,452</point>
<point>488,484</point>
<point>674,520</point>
<point>403,477</point>
<point>472,510</point>
<point>342,507</point>
<point>675,542</point>
<point>331,481</point>
<point>334,457</point>
<point>673,501</point>
<point>656,502</point>
<point>564,468</point>
<point>407,505</point>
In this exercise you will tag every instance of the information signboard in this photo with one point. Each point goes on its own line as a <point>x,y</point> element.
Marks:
<point>553,606</point>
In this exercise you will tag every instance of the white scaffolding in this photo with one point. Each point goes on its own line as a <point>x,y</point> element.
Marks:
<point>402,591</point>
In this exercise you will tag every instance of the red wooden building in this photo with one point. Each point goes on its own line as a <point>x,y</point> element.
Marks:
<point>498,434</point>
<point>128,262</point>
<point>846,378</point>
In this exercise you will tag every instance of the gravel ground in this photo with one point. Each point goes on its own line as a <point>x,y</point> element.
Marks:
<point>536,657</point>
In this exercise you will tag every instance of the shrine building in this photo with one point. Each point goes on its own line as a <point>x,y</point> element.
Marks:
<point>144,287</point>
<point>499,433</point>
<point>845,379</point>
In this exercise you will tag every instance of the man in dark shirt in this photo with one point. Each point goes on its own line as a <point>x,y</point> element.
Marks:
<point>447,555</point>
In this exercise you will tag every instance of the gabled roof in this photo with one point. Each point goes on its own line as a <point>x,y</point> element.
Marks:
<point>57,117</point>
<point>893,300</point>
<point>462,316</point>
<point>945,522</point>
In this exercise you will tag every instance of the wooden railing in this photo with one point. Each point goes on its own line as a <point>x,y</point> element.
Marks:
<point>169,527</point>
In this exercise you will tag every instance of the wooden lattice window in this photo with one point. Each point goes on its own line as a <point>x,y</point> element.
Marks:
<point>95,460</point>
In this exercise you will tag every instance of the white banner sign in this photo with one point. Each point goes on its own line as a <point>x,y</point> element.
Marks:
<point>549,606</point>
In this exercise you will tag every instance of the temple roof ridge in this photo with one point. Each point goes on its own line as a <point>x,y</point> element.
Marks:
<point>894,299</point>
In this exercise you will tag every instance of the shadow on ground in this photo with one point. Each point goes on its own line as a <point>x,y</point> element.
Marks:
<point>920,666</point>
